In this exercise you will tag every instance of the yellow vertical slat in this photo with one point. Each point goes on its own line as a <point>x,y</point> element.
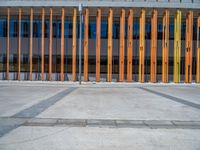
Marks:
<point>177,46</point>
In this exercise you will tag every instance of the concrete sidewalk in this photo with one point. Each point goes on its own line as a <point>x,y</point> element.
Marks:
<point>63,115</point>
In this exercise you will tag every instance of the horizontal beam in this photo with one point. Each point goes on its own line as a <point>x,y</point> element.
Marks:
<point>99,3</point>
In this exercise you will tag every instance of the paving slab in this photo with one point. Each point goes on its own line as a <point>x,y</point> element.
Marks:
<point>13,99</point>
<point>119,104</point>
<point>88,138</point>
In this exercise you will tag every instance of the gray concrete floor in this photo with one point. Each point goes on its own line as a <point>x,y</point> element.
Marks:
<point>65,115</point>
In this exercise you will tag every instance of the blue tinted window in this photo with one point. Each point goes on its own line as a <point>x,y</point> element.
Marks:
<point>13,28</point>
<point>171,31</point>
<point>25,28</point>
<point>116,30</point>
<point>160,31</point>
<point>147,31</point>
<point>92,30</point>
<point>3,28</point>
<point>37,28</point>
<point>136,30</point>
<point>104,30</point>
<point>46,29</point>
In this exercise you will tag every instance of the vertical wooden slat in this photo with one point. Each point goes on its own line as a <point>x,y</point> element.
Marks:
<point>177,46</point>
<point>153,46</point>
<point>188,47</point>
<point>8,44</point>
<point>62,45</point>
<point>31,41</point>
<point>50,45</point>
<point>141,46</point>
<point>165,46</point>
<point>198,51</point>
<point>19,44</point>
<point>86,21</point>
<point>42,44</point>
<point>98,43</point>
<point>74,46</point>
<point>109,65</point>
<point>121,49</point>
<point>130,45</point>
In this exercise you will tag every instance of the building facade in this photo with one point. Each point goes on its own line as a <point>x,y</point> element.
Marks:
<point>123,40</point>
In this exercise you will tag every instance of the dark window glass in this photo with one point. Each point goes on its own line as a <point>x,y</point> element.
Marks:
<point>35,29</point>
<point>24,26</point>
<point>171,31</point>
<point>147,30</point>
<point>59,30</point>
<point>4,28</point>
<point>195,30</point>
<point>70,29</point>
<point>13,28</point>
<point>92,30</point>
<point>104,30</point>
<point>1,27</point>
<point>183,31</point>
<point>54,30</point>
<point>46,29</point>
<point>159,31</point>
<point>136,29</point>
<point>116,30</point>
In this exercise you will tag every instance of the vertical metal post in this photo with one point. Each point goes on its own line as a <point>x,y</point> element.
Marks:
<point>80,38</point>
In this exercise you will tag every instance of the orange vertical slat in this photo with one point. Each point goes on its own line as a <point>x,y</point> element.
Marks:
<point>198,51</point>
<point>153,70</point>
<point>165,46</point>
<point>50,44</point>
<point>142,46</point>
<point>42,44</point>
<point>74,46</point>
<point>98,43</point>
<point>62,45</point>
<point>109,64</point>
<point>121,49</point>
<point>188,47</point>
<point>8,44</point>
<point>130,45</point>
<point>86,22</point>
<point>31,41</point>
<point>19,44</point>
